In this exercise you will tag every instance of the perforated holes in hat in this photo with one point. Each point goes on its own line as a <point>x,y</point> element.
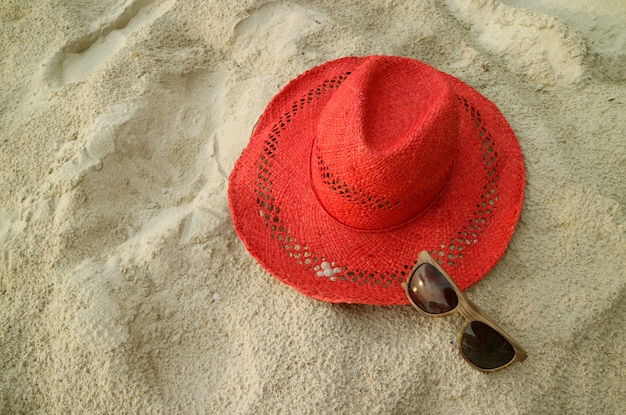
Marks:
<point>470,233</point>
<point>269,210</point>
<point>350,192</point>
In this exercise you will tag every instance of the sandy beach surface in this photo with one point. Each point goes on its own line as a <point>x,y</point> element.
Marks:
<point>124,288</point>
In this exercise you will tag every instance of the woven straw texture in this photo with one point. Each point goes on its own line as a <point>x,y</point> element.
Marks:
<point>360,163</point>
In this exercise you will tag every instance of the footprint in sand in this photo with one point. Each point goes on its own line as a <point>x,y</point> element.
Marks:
<point>84,56</point>
<point>274,30</point>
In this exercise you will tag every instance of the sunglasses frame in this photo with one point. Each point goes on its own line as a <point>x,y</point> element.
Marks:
<point>470,311</point>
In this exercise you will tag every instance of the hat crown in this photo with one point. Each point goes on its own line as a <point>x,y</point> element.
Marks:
<point>385,143</point>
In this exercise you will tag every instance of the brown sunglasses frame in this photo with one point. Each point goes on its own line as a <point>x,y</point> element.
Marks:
<point>470,311</point>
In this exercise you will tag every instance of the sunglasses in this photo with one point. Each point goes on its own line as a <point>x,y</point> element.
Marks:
<point>482,342</point>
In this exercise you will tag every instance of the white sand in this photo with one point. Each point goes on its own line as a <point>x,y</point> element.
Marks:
<point>124,289</point>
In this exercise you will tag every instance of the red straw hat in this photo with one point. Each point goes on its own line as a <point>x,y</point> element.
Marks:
<point>360,163</point>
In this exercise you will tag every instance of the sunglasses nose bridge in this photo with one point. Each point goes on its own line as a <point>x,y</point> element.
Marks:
<point>468,309</point>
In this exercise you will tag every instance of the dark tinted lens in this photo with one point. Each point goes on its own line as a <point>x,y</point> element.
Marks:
<point>485,347</point>
<point>431,291</point>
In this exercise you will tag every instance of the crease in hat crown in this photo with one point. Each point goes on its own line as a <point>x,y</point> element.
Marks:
<point>385,144</point>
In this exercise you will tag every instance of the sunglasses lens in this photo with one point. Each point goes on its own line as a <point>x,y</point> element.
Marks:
<point>431,291</point>
<point>485,347</point>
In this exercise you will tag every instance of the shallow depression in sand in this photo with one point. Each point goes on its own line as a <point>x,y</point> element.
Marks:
<point>84,56</point>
